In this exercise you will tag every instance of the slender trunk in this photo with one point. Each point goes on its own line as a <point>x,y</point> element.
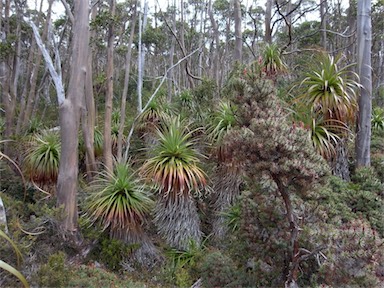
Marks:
<point>35,71</point>
<point>126,82</point>
<point>70,118</point>
<point>340,167</point>
<point>364,36</point>
<point>7,97</point>
<point>109,95</point>
<point>216,37</point>
<point>88,113</point>
<point>268,17</point>
<point>324,20</point>
<point>140,63</point>
<point>171,56</point>
<point>238,34</point>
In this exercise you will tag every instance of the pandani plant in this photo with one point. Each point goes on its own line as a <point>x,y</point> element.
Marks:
<point>174,168</point>
<point>121,203</point>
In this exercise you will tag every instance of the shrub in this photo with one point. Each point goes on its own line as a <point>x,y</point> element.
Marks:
<point>217,270</point>
<point>111,253</point>
<point>54,273</point>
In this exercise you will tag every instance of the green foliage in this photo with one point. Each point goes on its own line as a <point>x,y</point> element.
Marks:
<point>98,141</point>
<point>35,126</point>
<point>330,90</point>
<point>218,270</point>
<point>8,267</point>
<point>272,61</point>
<point>377,162</point>
<point>183,264</point>
<point>328,103</point>
<point>222,120</point>
<point>90,277</point>
<point>111,252</point>
<point>54,273</point>
<point>233,217</point>
<point>353,257</point>
<point>41,163</point>
<point>119,201</point>
<point>174,162</point>
<point>377,120</point>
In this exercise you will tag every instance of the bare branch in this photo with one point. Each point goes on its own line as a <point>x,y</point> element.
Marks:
<point>48,60</point>
<point>68,10</point>
<point>153,96</point>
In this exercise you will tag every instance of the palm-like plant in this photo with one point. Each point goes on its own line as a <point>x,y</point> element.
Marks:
<point>330,90</point>
<point>377,119</point>
<point>223,119</point>
<point>227,178</point>
<point>42,158</point>
<point>120,203</point>
<point>272,61</point>
<point>330,93</point>
<point>174,168</point>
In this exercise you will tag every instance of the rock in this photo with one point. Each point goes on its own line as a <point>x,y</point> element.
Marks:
<point>3,217</point>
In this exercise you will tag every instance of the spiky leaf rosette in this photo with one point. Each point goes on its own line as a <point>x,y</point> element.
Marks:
<point>42,158</point>
<point>330,90</point>
<point>272,61</point>
<point>119,202</point>
<point>174,166</point>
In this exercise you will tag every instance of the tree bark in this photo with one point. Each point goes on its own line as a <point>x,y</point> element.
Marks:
<point>108,160</point>
<point>32,90</point>
<point>70,118</point>
<point>324,20</point>
<point>126,82</point>
<point>216,39</point>
<point>268,17</point>
<point>88,112</point>
<point>238,55</point>
<point>364,34</point>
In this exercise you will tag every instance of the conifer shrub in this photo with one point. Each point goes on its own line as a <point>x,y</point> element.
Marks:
<point>279,163</point>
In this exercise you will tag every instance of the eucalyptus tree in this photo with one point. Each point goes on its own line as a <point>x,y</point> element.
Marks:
<point>69,114</point>
<point>364,34</point>
<point>238,53</point>
<point>107,149</point>
<point>67,182</point>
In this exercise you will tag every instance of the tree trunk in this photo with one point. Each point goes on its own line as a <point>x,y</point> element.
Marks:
<point>324,20</point>
<point>88,112</point>
<point>216,37</point>
<point>109,95</point>
<point>170,77</point>
<point>35,72</point>
<point>70,118</point>
<point>126,82</point>
<point>364,34</point>
<point>238,34</point>
<point>268,17</point>
<point>141,59</point>
<point>340,166</point>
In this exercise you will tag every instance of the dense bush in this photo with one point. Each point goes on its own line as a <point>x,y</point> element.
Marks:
<point>54,273</point>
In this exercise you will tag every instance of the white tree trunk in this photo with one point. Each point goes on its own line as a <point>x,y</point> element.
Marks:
<point>364,38</point>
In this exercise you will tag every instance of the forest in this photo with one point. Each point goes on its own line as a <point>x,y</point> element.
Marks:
<point>192,143</point>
